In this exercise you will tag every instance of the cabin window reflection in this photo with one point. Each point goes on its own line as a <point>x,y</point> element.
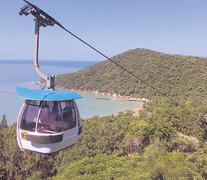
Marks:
<point>29,116</point>
<point>68,113</point>
<point>50,120</point>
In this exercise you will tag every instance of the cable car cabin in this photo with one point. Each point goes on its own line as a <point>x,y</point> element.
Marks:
<point>48,121</point>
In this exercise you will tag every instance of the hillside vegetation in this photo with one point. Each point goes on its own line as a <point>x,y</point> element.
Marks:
<point>181,77</point>
<point>164,142</point>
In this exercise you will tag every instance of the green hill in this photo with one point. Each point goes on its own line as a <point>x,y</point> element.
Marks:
<point>181,77</point>
<point>165,141</point>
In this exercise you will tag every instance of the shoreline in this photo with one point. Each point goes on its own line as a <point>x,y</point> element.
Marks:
<point>115,97</point>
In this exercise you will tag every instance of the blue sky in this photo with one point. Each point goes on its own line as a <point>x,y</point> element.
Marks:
<point>112,26</point>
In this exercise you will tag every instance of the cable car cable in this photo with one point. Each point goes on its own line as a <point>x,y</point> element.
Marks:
<point>131,73</point>
<point>48,20</point>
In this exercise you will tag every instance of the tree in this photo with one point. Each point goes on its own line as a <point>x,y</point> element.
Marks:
<point>3,122</point>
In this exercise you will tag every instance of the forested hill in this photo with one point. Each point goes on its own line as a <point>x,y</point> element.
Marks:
<point>181,77</point>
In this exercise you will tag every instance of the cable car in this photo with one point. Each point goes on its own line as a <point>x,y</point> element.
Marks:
<point>49,119</point>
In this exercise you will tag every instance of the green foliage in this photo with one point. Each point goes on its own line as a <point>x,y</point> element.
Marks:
<point>180,77</point>
<point>15,164</point>
<point>199,159</point>
<point>155,164</point>
<point>100,136</point>
<point>105,167</point>
<point>186,118</point>
<point>173,127</point>
<point>164,142</point>
<point>169,165</point>
<point>139,128</point>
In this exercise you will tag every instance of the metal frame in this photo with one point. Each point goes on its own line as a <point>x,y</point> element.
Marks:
<point>41,19</point>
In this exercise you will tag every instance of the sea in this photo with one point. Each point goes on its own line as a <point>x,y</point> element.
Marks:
<point>21,73</point>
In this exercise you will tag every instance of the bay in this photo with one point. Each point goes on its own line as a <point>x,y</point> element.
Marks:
<point>17,73</point>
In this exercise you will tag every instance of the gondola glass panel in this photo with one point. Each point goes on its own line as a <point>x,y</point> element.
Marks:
<point>50,120</point>
<point>48,116</point>
<point>69,117</point>
<point>30,115</point>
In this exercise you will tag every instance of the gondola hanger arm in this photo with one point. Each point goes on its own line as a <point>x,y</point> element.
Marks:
<point>41,19</point>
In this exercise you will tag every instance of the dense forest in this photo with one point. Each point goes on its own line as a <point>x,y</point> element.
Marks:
<point>165,141</point>
<point>182,77</point>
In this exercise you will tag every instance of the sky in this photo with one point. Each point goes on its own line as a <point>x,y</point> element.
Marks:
<point>111,26</point>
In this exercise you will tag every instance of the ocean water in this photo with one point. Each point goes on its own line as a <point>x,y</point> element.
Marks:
<point>15,73</point>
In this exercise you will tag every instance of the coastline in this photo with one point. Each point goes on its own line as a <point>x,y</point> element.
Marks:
<point>115,97</point>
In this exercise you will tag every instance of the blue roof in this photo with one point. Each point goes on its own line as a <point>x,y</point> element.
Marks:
<point>47,94</point>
